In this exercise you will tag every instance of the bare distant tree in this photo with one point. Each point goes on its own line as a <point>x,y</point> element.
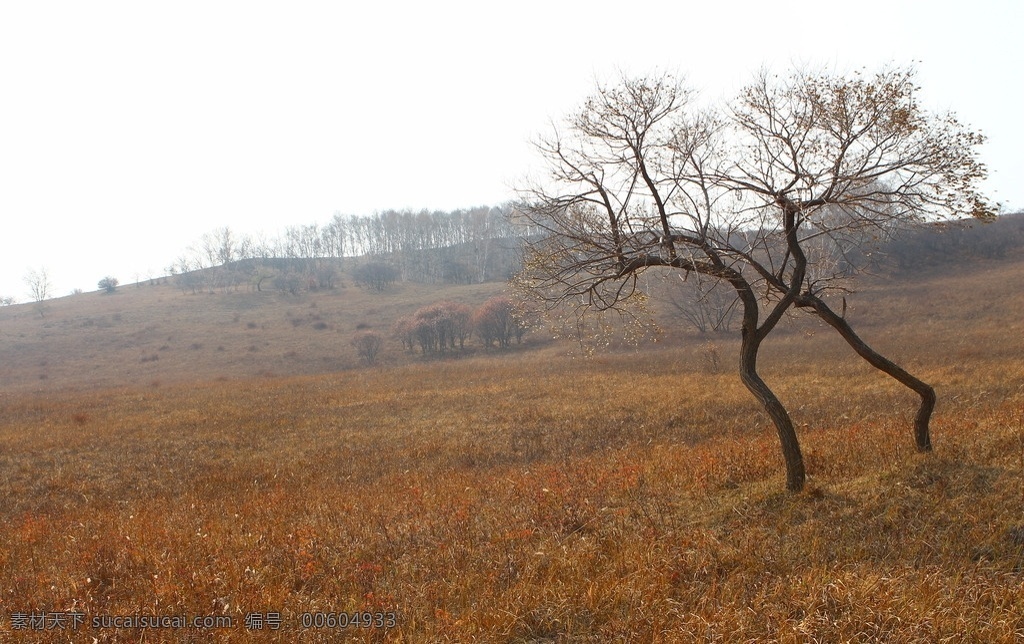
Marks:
<point>367,345</point>
<point>375,275</point>
<point>290,281</point>
<point>641,180</point>
<point>259,272</point>
<point>706,303</point>
<point>38,282</point>
<point>220,247</point>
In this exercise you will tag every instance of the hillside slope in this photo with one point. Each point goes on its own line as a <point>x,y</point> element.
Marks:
<point>153,335</point>
<point>149,335</point>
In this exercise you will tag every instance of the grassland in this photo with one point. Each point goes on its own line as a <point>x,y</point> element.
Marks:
<point>532,496</point>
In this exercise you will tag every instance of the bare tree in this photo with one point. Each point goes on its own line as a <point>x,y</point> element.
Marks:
<point>219,247</point>
<point>38,282</point>
<point>641,180</point>
<point>707,304</point>
<point>367,345</point>
<point>375,275</point>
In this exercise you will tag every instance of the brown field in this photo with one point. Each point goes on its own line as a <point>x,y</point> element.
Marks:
<point>521,497</point>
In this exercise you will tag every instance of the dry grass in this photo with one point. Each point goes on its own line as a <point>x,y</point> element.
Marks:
<point>535,497</point>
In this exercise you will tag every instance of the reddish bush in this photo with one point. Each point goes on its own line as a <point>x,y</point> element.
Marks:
<point>496,320</point>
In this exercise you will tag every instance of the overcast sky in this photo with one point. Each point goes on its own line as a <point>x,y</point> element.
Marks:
<point>129,129</point>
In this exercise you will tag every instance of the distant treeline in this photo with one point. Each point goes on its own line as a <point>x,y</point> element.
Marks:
<point>483,244</point>
<point>461,246</point>
<point>933,244</point>
<point>710,306</point>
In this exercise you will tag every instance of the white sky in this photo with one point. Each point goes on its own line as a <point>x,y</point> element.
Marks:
<point>129,129</point>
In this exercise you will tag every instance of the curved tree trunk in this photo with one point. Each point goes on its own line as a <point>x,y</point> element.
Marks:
<point>922,435</point>
<point>795,473</point>
<point>753,335</point>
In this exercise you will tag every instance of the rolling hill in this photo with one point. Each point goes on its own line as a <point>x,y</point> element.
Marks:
<point>153,334</point>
